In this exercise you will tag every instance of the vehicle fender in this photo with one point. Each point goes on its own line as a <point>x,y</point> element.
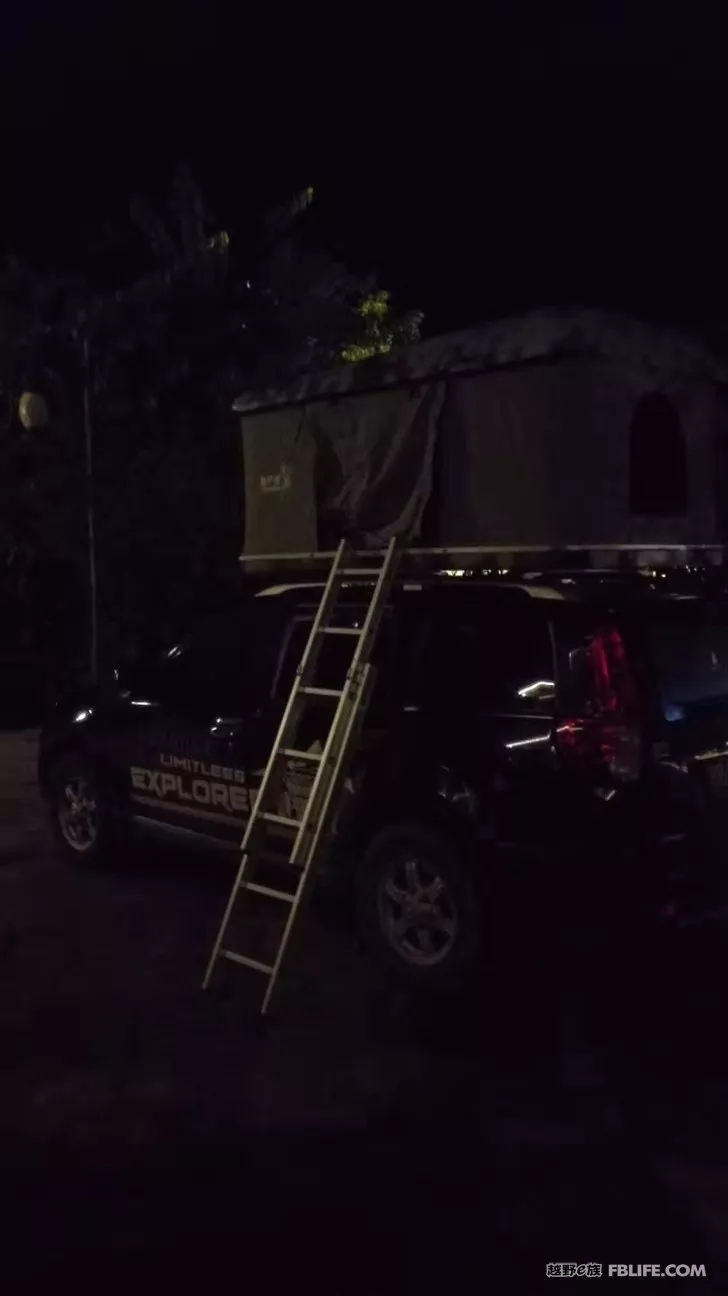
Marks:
<point>67,744</point>
<point>427,793</point>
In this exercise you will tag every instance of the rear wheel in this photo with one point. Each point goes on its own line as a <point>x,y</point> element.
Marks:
<point>421,912</point>
<point>81,810</point>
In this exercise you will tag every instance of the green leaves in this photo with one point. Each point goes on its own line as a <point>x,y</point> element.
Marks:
<point>219,242</point>
<point>375,306</point>
<point>378,329</point>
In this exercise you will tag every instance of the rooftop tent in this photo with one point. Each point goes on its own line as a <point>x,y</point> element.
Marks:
<point>546,429</point>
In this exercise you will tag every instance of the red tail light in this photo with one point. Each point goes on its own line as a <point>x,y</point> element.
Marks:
<point>607,736</point>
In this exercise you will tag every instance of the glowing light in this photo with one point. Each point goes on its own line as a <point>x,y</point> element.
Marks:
<point>529,689</point>
<point>80,716</point>
<point>672,712</point>
<point>528,742</point>
<point>32,411</point>
<point>141,702</point>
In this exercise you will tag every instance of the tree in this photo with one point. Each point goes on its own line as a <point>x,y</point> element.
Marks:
<point>196,319</point>
<point>308,311</point>
<point>263,312</point>
<point>379,330</point>
<point>35,468</point>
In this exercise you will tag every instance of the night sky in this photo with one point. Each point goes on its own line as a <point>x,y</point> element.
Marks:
<point>523,162</point>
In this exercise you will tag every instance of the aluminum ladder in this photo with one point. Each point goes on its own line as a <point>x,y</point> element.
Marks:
<point>313,828</point>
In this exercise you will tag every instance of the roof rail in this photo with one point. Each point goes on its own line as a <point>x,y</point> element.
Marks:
<point>507,558</point>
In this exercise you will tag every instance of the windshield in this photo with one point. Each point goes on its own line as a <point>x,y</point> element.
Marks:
<point>691,659</point>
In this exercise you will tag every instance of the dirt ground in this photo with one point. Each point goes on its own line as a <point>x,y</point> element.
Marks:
<point>150,1132</point>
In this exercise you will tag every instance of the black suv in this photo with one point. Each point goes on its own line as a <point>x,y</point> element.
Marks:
<point>531,745</point>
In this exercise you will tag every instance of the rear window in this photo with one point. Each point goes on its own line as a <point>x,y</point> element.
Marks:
<point>691,659</point>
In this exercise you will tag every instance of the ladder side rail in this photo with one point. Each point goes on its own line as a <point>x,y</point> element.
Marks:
<point>341,761</point>
<point>222,929</point>
<point>272,768</point>
<point>295,698</point>
<point>375,610</point>
<point>371,620</point>
<point>356,712</point>
<point>328,597</point>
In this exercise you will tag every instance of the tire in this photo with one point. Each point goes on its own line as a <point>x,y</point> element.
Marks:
<point>87,832</point>
<point>420,911</point>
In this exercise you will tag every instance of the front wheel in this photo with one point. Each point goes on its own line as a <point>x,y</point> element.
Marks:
<point>81,811</point>
<point>421,912</point>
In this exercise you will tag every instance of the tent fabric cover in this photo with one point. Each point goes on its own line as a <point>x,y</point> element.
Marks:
<point>531,421</point>
<point>360,467</point>
<point>280,498</point>
<point>375,455</point>
<point>542,456</point>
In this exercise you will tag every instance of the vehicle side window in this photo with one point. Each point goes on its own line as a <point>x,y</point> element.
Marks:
<point>691,658</point>
<point>334,658</point>
<point>226,662</point>
<point>335,655</point>
<point>500,660</point>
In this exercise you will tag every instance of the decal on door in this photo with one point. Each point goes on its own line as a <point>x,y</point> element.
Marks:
<point>297,784</point>
<point>217,792</point>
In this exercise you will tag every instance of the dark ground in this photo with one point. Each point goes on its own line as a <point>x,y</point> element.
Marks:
<point>154,1135</point>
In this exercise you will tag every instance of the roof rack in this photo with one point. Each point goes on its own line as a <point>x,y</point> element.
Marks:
<point>506,559</point>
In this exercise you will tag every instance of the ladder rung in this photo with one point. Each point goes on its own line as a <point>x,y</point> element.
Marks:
<point>271,892</point>
<point>247,962</point>
<point>339,630</point>
<point>280,819</point>
<point>371,572</point>
<point>312,691</point>
<point>293,753</point>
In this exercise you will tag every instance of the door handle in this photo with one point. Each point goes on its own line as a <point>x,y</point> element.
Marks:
<point>226,726</point>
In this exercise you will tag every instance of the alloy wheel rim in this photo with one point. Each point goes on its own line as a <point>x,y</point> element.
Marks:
<point>78,814</point>
<point>417,911</point>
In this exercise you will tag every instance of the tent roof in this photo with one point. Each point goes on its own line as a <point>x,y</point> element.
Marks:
<point>518,339</point>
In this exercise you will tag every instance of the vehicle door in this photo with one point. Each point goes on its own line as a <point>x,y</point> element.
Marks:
<point>490,696</point>
<point>199,725</point>
<point>335,657</point>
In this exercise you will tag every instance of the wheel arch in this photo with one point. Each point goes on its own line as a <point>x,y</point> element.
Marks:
<point>51,754</point>
<point>64,747</point>
<point>432,799</point>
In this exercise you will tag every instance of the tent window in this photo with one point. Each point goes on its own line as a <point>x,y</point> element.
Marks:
<point>658,485</point>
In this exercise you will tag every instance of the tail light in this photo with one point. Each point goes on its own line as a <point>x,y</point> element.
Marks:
<point>606,735</point>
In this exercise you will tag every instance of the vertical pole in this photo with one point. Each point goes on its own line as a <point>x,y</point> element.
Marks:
<point>93,599</point>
